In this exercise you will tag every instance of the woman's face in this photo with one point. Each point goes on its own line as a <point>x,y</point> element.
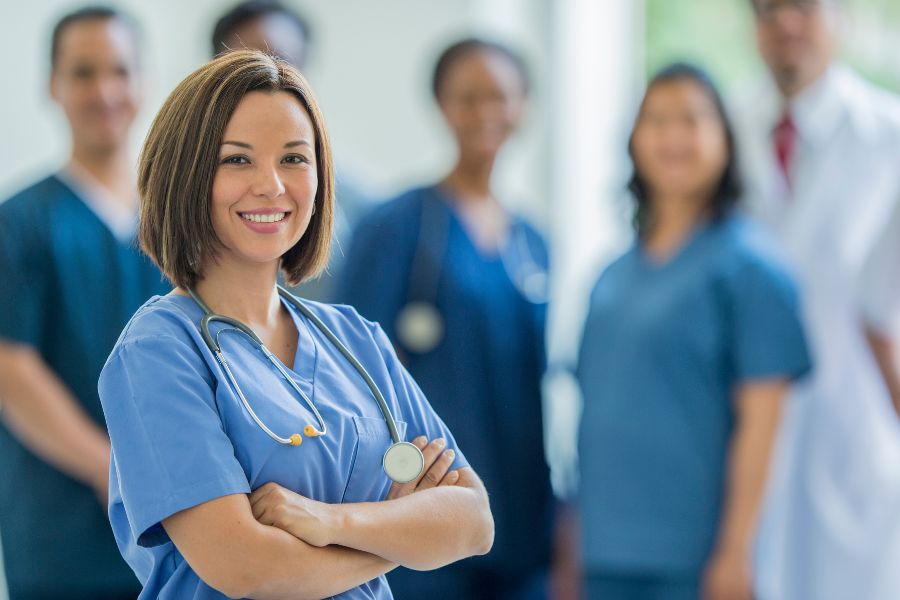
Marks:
<point>679,145</point>
<point>482,97</point>
<point>265,185</point>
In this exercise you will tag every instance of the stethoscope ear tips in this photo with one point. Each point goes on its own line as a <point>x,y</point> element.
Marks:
<point>310,431</point>
<point>296,439</point>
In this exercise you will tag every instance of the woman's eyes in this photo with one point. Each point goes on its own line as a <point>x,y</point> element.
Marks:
<point>295,159</point>
<point>291,159</point>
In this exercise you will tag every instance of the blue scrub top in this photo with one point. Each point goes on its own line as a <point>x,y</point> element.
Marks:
<point>68,288</point>
<point>664,347</point>
<point>181,437</point>
<point>484,377</point>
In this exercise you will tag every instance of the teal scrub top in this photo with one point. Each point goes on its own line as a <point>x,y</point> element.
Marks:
<point>664,347</point>
<point>68,288</point>
<point>181,436</point>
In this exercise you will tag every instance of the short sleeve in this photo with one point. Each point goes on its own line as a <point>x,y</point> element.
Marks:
<point>879,292</point>
<point>420,417</point>
<point>766,334</point>
<point>23,292</point>
<point>168,442</point>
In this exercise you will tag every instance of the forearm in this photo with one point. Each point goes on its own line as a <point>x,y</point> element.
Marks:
<point>238,556</point>
<point>41,412</point>
<point>884,351</point>
<point>294,569</point>
<point>422,531</point>
<point>748,468</point>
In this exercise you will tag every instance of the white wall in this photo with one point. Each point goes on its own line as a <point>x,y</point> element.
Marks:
<point>370,69</point>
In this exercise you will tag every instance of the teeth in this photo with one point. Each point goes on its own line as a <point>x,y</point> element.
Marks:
<point>270,218</point>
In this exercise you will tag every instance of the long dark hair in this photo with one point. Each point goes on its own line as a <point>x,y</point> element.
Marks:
<point>730,187</point>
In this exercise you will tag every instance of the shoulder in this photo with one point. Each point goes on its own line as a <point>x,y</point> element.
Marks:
<point>748,251</point>
<point>171,317</point>
<point>33,200</point>
<point>344,321</point>
<point>875,110</point>
<point>616,271</point>
<point>397,210</point>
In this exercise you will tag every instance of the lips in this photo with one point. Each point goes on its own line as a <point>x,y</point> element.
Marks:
<point>265,220</point>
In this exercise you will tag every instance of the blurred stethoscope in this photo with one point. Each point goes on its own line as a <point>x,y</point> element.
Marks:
<point>402,461</point>
<point>420,325</point>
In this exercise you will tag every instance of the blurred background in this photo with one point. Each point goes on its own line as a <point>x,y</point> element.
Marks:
<point>370,66</point>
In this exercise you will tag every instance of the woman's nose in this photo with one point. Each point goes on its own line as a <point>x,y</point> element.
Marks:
<point>267,183</point>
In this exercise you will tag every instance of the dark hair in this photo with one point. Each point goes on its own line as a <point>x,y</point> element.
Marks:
<point>179,160</point>
<point>469,46</point>
<point>730,187</point>
<point>88,13</point>
<point>251,10</point>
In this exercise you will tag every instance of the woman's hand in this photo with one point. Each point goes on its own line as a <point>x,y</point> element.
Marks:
<point>309,520</point>
<point>728,577</point>
<point>434,474</point>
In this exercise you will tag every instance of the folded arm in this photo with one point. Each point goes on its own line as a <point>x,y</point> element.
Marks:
<point>425,530</point>
<point>242,558</point>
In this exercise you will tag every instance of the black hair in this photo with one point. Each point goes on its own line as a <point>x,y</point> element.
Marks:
<point>251,10</point>
<point>88,13</point>
<point>468,46</point>
<point>730,187</point>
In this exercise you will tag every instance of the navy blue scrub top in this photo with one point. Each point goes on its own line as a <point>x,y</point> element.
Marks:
<point>664,347</point>
<point>484,378</point>
<point>68,288</point>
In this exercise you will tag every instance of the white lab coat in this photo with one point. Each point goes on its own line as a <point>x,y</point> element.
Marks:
<point>830,528</point>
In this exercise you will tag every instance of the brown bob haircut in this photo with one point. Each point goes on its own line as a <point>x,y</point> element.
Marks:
<point>181,154</point>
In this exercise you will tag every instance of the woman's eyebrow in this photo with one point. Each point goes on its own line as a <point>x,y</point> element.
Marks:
<point>297,143</point>
<point>241,144</point>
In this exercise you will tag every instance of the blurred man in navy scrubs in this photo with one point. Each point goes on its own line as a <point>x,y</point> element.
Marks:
<point>72,276</point>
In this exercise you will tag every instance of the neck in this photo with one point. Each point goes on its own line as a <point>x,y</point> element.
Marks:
<point>791,84</point>
<point>245,292</point>
<point>111,168</point>
<point>673,220</point>
<point>470,179</point>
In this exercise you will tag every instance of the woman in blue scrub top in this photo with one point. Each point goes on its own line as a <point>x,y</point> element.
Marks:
<point>459,284</point>
<point>236,186</point>
<point>691,342</point>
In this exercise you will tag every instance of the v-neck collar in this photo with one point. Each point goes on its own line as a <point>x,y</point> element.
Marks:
<point>455,220</point>
<point>651,263</point>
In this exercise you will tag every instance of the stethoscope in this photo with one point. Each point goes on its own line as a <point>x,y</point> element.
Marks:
<point>402,462</point>
<point>419,325</point>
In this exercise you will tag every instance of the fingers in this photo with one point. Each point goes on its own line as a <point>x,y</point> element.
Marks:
<point>435,470</point>
<point>399,490</point>
<point>263,491</point>
<point>451,478</point>
<point>434,475</point>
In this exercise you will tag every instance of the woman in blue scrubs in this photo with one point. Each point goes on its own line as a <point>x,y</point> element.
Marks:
<point>691,342</point>
<point>236,186</point>
<point>459,284</point>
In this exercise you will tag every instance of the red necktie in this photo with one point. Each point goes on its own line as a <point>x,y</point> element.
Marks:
<point>785,137</point>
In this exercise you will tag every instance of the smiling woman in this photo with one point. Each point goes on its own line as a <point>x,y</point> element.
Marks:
<point>210,493</point>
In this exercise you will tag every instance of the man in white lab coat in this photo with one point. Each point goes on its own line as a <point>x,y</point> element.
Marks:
<point>821,149</point>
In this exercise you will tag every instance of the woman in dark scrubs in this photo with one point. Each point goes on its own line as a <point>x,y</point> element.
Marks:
<point>459,283</point>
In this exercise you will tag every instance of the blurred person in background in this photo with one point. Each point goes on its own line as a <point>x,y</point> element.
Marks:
<point>460,285</point>
<point>272,27</point>
<point>822,154</point>
<point>691,340</point>
<point>72,276</point>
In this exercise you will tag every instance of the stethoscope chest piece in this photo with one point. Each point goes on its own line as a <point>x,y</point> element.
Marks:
<point>420,327</point>
<point>403,462</point>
